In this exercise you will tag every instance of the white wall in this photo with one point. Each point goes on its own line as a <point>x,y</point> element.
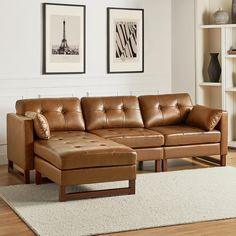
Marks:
<point>183,47</point>
<point>21,55</point>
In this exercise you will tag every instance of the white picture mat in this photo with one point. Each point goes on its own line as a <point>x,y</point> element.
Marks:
<point>70,11</point>
<point>126,15</point>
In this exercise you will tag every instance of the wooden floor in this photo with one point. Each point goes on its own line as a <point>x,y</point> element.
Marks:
<point>11,224</point>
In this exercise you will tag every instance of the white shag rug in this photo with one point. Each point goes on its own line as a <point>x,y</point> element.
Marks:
<point>161,199</point>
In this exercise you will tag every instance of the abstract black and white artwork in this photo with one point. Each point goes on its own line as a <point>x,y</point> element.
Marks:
<point>64,39</point>
<point>125,40</point>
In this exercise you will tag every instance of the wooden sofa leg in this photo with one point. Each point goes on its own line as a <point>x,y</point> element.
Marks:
<point>140,165</point>
<point>164,165</point>
<point>223,160</point>
<point>25,176</point>
<point>157,165</point>
<point>10,166</point>
<point>38,178</point>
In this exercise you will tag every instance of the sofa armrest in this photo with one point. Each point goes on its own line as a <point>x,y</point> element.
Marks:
<point>222,126</point>
<point>20,141</point>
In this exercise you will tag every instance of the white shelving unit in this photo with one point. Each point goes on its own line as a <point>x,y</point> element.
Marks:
<point>219,39</point>
<point>233,89</point>
<point>212,26</point>
<point>210,84</point>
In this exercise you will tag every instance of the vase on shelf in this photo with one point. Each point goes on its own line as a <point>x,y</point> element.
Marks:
<point>221,17</point>
<point>214,68</point>
<point>233,11</point>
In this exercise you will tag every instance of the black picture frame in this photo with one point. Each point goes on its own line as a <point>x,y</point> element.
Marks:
<point>121,62</point>
<point>64,59</point>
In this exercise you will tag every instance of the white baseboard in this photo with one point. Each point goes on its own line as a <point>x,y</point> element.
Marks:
<point>3,154</point>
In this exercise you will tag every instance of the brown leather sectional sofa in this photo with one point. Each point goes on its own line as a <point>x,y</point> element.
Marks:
<point>100,139</point>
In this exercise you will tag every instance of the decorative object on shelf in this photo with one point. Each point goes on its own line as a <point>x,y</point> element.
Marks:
<point>125,37</point>
<point>214,68</point>
<point>221,17</point>
<point>233,11</point>
<point>64,39</point>
<point>232,51</point>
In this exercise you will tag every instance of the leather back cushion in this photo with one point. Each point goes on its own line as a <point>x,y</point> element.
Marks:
<point>61,113</point>
<point>170,109</point>
<point>112,112</point>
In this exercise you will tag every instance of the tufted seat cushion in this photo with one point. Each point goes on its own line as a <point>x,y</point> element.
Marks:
<point>61,113</point>
<point>186,135</point>
<point>77,149</point>
<point>170,109</point>
<point>132,137</point>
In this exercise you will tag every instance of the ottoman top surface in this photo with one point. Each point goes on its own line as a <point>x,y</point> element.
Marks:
<point>69,150</point>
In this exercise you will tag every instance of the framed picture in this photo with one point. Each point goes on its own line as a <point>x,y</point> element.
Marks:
<point>125,37</point>
<point>63,39</point>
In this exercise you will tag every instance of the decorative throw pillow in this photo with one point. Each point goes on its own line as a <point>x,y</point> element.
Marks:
<point>41,126</point>
<point>204,117</point>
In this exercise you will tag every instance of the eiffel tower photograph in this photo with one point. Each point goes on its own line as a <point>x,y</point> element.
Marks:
<point>65,47</point>
<point>64,39</point>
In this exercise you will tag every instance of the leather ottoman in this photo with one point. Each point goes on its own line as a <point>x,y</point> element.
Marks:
<point>77,157</point>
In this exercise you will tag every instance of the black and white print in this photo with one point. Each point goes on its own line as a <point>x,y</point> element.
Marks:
<point>65,47</point>
<point>126,40</point>
<point>64,38</point>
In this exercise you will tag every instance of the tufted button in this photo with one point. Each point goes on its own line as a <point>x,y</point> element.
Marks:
<point>160,107</point>
<point>60,139</point>
<point>77,146</point>
<point>103,144</point>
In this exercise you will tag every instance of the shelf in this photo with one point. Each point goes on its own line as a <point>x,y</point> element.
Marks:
<point>233,89</point>
<point>210,84</point>
<point>218,26</point>
<point>232,144</point>
<point>230,56</point>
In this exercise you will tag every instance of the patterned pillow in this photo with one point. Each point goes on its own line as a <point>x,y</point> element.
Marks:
<point>41,126</point>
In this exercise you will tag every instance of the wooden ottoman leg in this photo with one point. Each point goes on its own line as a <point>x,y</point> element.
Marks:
<point>132,186</point>
<point>164,165</point>
<point>62,193</point>
<point>223,160</point>
<point>157,165</point>
<point>38,178</point>
<point>64,196</point>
